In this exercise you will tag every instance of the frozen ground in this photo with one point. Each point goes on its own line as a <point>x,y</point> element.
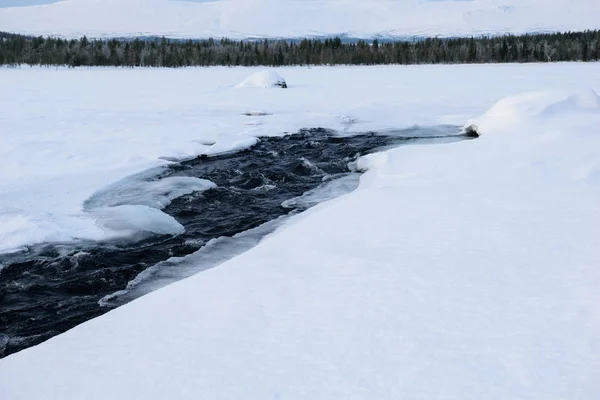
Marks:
<point>457,271</point>
<point>299,18</point>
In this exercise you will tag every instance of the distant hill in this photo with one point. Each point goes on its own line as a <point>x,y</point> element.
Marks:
<point>383,19</point>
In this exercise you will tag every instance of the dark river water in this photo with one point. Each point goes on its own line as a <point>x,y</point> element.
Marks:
<point>50,288</point>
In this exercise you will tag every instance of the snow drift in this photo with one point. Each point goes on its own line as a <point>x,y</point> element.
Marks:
<point>263,79</point>
<point>538,109</point>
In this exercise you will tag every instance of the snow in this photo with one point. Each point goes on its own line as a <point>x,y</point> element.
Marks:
<point>263,79</point>
<point>132,205</point>
<point>155,194</point>
<point>540,109</point>
<point>299,18</point>
<point>464,270</point>
<point>137,218</point>
<point>67,136</point>
<point>212,254</point>
<point>328,190</point>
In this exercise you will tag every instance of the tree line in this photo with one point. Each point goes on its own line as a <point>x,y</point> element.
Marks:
<point>162,52</point>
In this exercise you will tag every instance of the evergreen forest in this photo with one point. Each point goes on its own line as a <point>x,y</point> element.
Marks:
<point>162,52</point>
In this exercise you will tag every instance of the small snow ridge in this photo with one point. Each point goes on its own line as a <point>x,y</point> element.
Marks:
<point>264,79</point>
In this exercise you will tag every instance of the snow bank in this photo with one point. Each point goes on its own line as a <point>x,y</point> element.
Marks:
<point>463,270</point>
<point>263,79</point>
<point>557,129</point>
<point>539,108</point>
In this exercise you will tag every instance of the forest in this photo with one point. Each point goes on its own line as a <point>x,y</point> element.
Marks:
<point>162,52</point>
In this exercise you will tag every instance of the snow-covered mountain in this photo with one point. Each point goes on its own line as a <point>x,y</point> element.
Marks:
<point>299,18</point>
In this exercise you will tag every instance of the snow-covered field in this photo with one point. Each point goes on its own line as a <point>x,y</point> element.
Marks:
<point>467,270</point>
<point>300,18</point>
<point>68,133</point>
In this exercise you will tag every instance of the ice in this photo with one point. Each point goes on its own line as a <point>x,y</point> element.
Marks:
<point>156,194</point>
<point>130,219</point>
<point>133,205</point>
<point>99,219</point>
<point>214,253</point>
<point>263,79</point>
<point>19,228</point>
<point>221,249</point>
<point>330,189</point>
<point>228,143</point>
<point>292,18</point>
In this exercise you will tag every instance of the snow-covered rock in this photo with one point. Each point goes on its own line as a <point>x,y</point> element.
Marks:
<point>263,79</point>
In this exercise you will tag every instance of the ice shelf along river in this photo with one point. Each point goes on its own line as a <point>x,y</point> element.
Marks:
<point>235,199</point>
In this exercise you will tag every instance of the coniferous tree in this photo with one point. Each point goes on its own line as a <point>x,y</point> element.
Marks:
<point>161,52</point>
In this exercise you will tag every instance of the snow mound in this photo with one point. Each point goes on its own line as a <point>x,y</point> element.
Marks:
<point>535,108</point>
<point>264,79</point>
<point>585,101</point>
